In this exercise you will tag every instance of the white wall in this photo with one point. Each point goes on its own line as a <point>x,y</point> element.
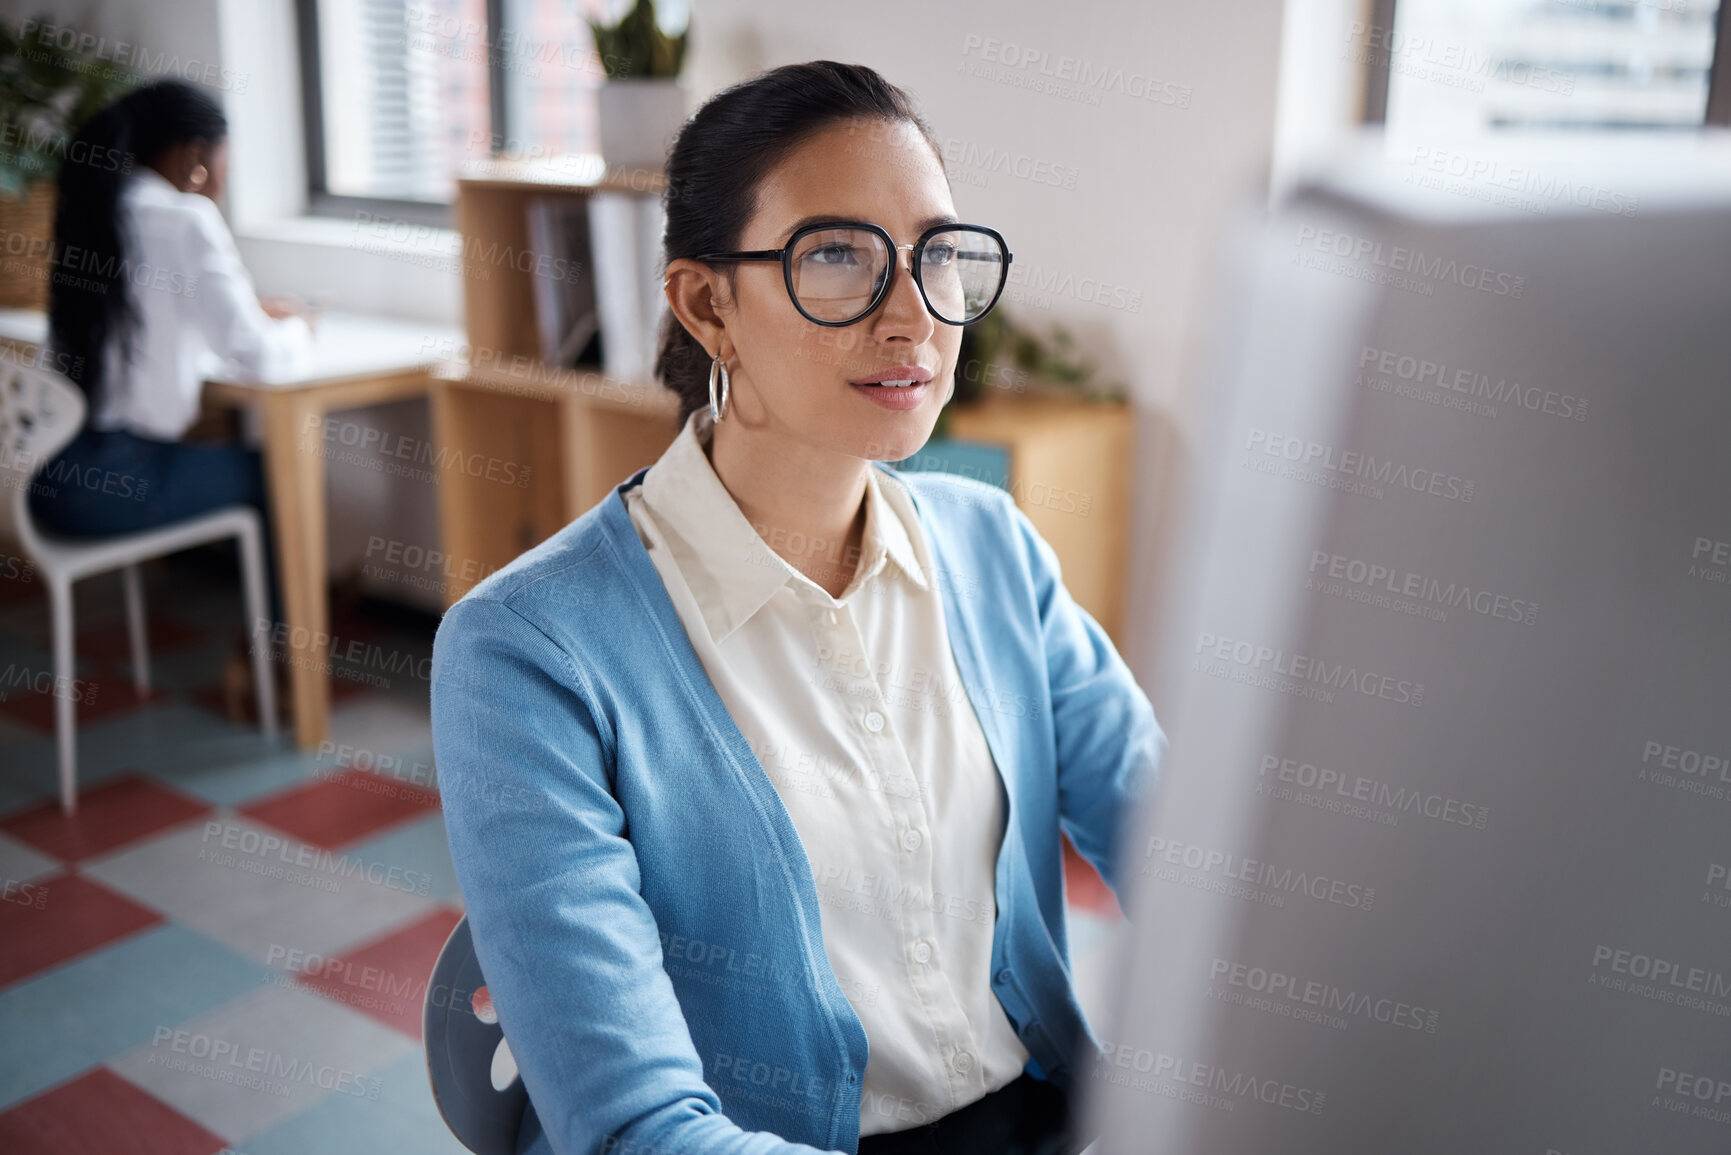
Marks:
<point>1123,201</point>
<point>1151,180</point>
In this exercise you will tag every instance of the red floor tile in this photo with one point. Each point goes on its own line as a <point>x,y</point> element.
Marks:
<point>48,922</point>
<point>93,698</point>
<point>110,815</point>
<point>1083,885</point>
<point>18,581</point>
<point>332,812</point>
<point>387,979</point>
<point>101,1114</point>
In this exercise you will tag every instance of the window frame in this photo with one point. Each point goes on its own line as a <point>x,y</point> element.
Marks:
<point>321,201</point>
<point>1376,77</point>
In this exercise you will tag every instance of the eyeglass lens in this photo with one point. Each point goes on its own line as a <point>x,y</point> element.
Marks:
<point>836,272</point>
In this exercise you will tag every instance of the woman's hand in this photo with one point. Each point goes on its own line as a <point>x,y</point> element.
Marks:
<point>279,308</point>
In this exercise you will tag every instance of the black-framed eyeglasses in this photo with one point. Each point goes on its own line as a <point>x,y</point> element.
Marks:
<point>838,272</point>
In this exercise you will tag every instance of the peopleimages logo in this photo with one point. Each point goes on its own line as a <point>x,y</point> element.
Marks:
<point>1705,1096</point>
<point>1711,561</point>
<point>1692,771</point>
<point>1399,259</point>
<point>1347,470</point>
<point>1116,1061</point>
<point>1292,997</point>
<point>1283,879</point>
<point>1661,980</point>
<point>1718,892</point>
<point>1421,372</point>
<point>1355,795</point>
<point>1292,673</point>
<point>1389,587</point>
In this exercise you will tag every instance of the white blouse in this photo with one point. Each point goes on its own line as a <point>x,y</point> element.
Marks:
<point>197,313</point>
<point>854,707</point>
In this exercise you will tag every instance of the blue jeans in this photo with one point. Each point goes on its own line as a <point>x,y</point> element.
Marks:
<point>106,483</point>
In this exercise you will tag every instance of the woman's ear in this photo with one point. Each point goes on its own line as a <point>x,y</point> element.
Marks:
<point>696,294</point>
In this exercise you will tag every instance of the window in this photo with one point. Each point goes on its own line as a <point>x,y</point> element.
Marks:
<point>1453,69</point>
<point>400,95</point>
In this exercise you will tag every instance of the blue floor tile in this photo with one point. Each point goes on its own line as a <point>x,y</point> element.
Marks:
<point>420,846</point>
<point>75,1016</point>
<point>167,741</point>
<point>402,1121</point>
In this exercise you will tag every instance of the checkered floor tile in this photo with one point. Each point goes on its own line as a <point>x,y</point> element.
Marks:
<point>228,946</point>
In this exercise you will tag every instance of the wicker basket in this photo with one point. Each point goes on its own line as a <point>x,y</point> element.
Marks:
<point>26,235</point>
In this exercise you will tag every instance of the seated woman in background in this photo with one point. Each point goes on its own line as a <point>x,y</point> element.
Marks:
<point>148,296</point>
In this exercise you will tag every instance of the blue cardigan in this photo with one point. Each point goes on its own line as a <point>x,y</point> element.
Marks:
<point>641,903</point>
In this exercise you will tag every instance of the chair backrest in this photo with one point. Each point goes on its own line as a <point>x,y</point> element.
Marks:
<point>40,412</point>
<point>475,1080</point>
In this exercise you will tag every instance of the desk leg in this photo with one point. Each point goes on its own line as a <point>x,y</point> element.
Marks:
<point>296,475</point>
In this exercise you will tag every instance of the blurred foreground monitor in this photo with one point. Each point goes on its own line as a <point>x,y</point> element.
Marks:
<point>1441,863</point>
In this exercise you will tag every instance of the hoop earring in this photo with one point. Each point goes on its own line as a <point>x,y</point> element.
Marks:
<point>717,409</point>
<point>198,176</point>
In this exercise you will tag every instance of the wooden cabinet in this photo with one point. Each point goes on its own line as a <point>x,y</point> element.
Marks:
<point>1068,465</point>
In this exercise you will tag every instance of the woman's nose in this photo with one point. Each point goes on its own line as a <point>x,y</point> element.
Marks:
<point>904,313</point>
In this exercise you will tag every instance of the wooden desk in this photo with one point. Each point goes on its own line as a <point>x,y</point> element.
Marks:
<point>357,361</point>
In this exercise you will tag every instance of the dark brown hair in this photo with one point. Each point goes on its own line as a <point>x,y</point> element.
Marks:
<point>720,158</point>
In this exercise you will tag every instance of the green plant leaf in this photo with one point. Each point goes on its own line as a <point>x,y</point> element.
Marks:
<point>636,48</point>
<point>46,94</point>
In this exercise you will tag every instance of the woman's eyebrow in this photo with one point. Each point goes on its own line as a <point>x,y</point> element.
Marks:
<point>837,218</point>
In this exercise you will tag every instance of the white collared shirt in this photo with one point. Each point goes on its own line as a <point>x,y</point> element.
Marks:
<point>854,707</point>
<point>197,313</point>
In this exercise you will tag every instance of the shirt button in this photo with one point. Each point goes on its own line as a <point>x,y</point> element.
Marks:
<point>911,840</point>
<point>833,617</point>
<point>1003,976</point>
<point>874,721</point>
<point>963,1062</point>
<point>922,951</point>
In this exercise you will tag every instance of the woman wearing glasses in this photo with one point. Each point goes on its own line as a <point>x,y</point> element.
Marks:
<point>754,773</point>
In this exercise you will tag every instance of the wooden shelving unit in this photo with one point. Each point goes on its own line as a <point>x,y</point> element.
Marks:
<point>571,435</point>
<point>1070,467</point>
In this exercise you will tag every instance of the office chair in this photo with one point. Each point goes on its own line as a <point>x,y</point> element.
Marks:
<point>475,1082</point>
<point>40,413</point>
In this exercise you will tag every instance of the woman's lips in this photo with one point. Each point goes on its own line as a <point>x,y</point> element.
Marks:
<point>897,375</point>
<point>895,396</point>
<point>898,387</point>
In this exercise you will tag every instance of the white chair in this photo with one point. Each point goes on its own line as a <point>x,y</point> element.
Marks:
<point>40,413</point>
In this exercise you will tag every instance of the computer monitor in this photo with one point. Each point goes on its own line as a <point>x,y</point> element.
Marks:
<point>1440,863</point>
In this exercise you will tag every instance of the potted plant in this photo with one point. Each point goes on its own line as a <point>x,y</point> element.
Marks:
<point>1000,357</point>
<point>642,103</point>
<point>46,93</point>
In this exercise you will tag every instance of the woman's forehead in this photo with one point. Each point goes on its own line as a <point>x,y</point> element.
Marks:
<point>873,170</point>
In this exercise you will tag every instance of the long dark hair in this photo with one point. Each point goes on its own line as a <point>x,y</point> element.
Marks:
<point>89,303</point>
<point>723,153</point>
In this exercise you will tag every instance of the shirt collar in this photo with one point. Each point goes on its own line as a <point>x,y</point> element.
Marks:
<point>731,571</point>
<point>147,179</point>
